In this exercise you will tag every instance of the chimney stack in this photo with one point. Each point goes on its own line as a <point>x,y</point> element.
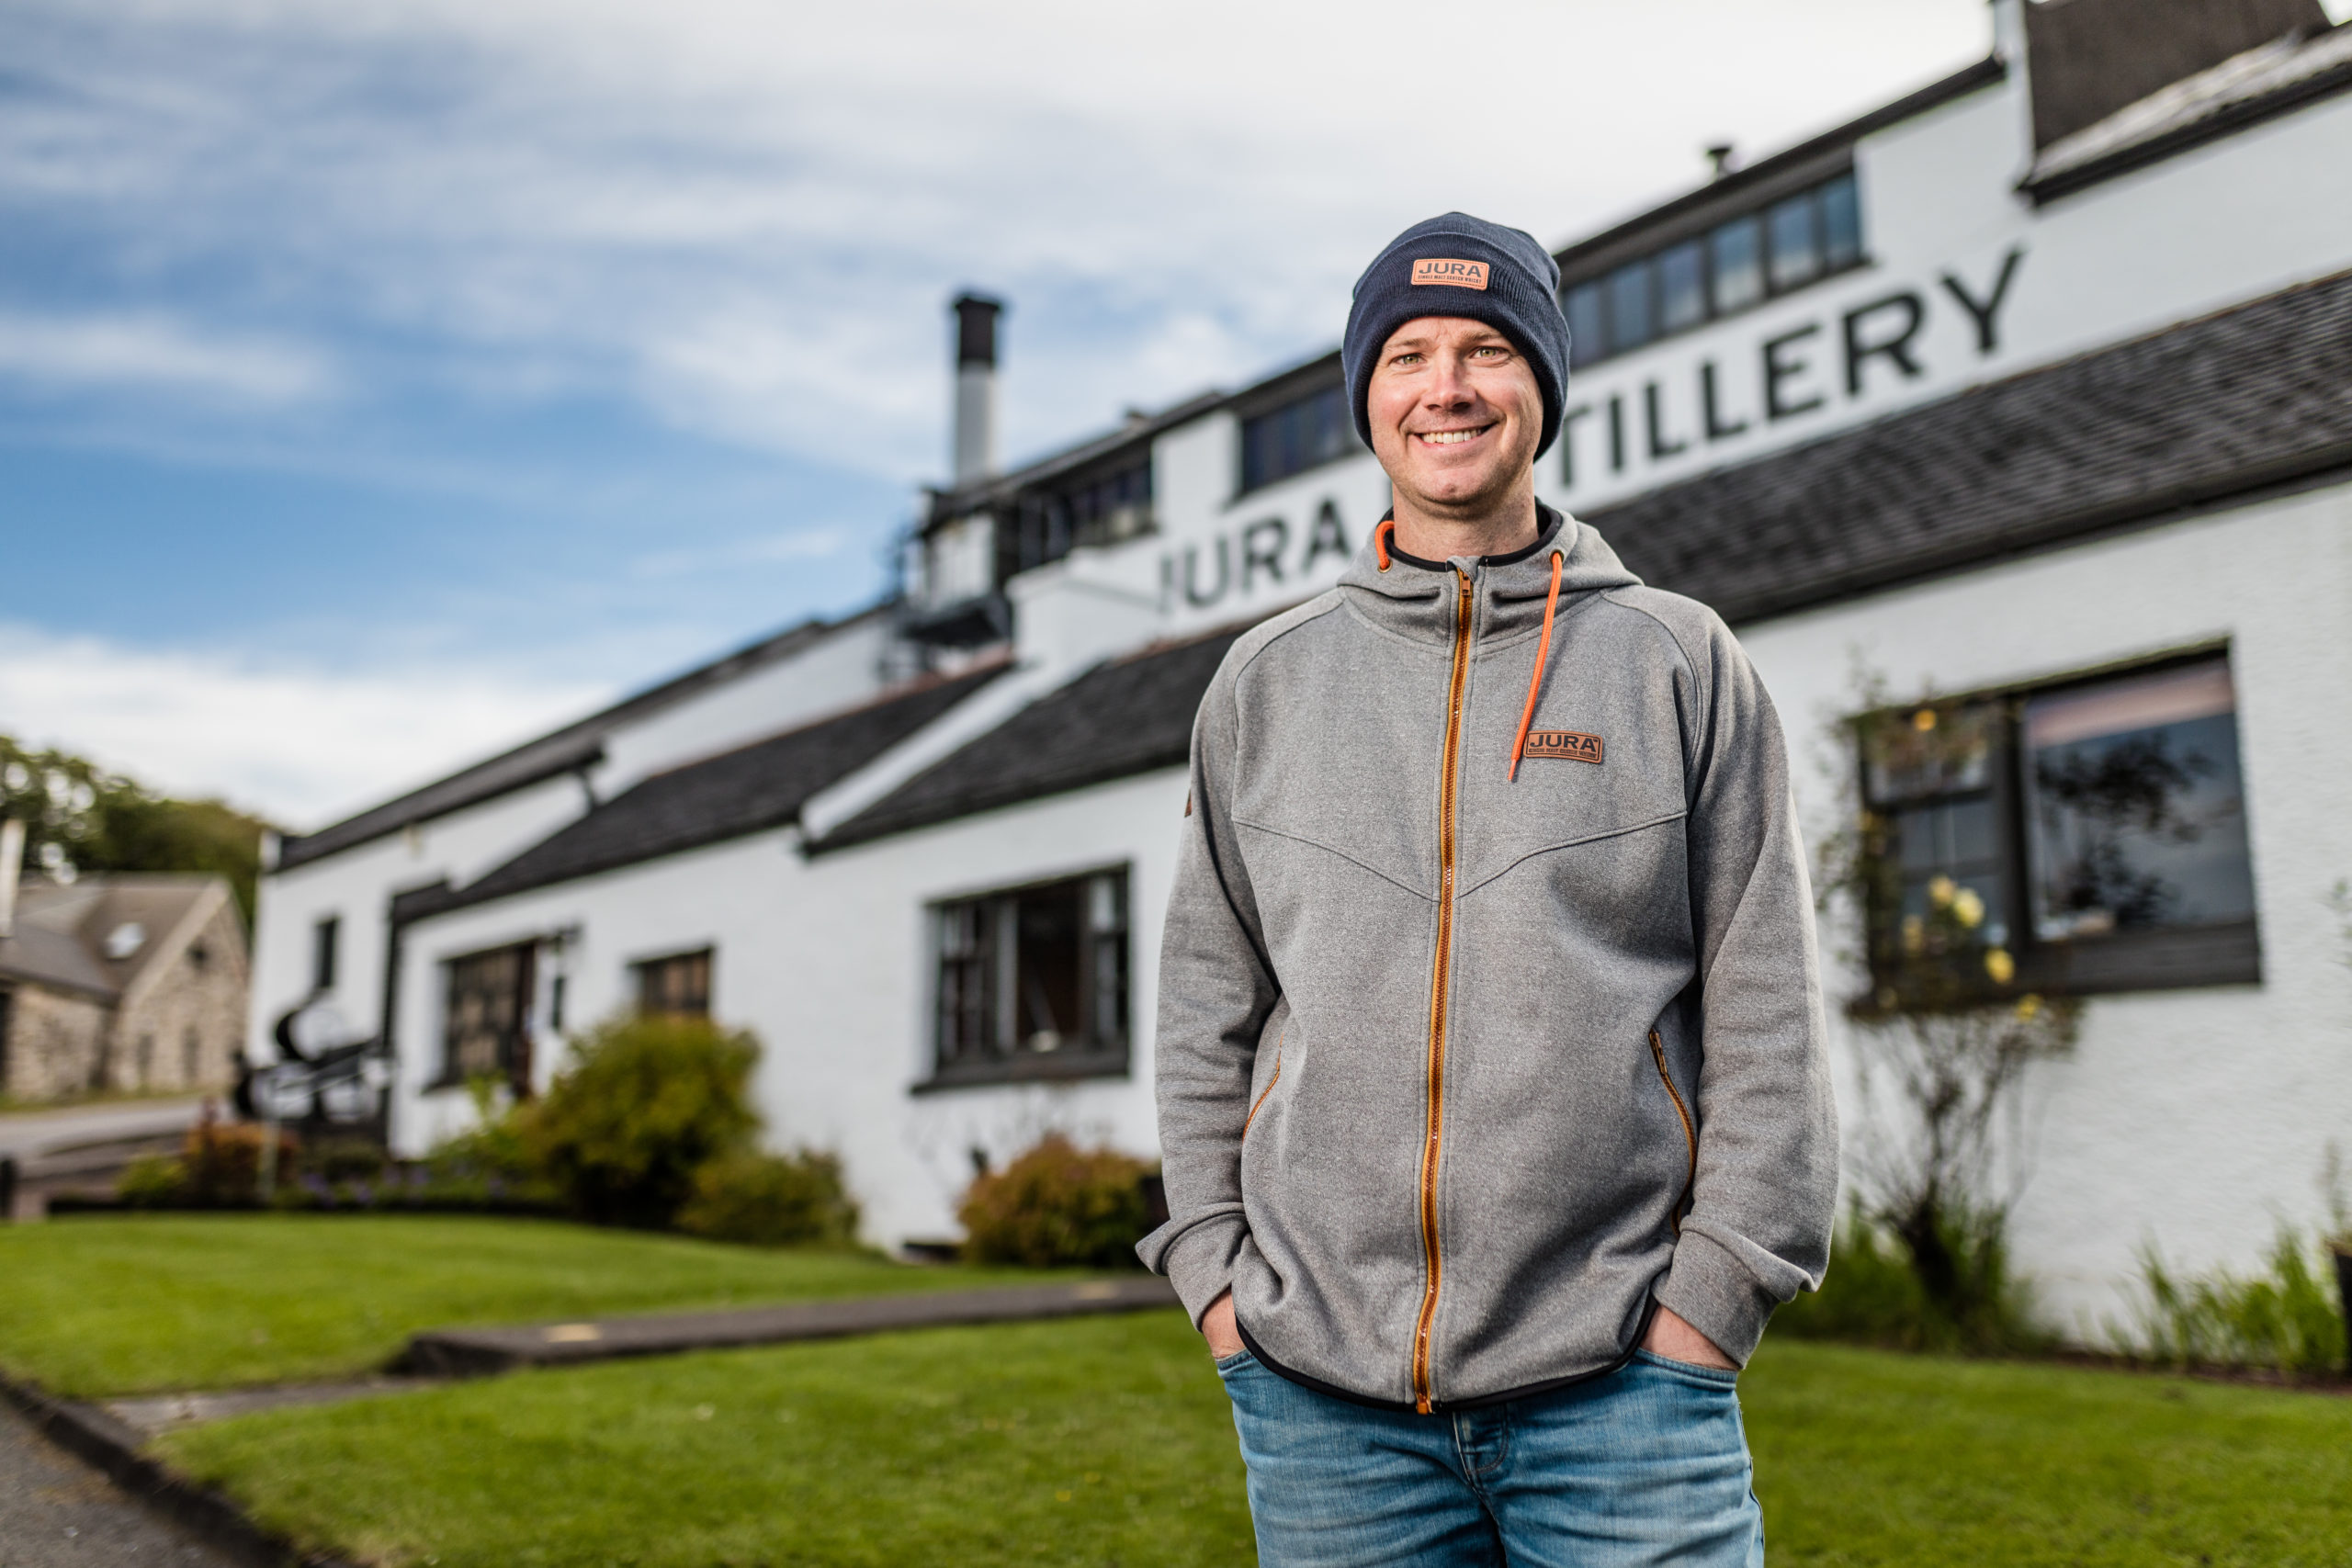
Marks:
<point>974,454</point>
<point>12,861</point>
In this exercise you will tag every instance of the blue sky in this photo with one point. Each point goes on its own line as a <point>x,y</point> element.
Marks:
<point>380,381</point>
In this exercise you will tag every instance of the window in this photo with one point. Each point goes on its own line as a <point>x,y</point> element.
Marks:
<point>2088,836</point>
<point>678,985</point>
<point>1737,252</point>
<point>1629,322</point>
<point>1791,244</point>
<point>1115,507</point>
<point>1302,433</point>
<point>1586,337</point>
<point>325,937</point>
<point>1033,982</point>
<point>1796,248</point>
<point>486,1017</point>
<point>2137,813</point>
<point>1682,288</point>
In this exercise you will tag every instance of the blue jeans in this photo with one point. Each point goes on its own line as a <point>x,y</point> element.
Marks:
<point>1645,1465</point>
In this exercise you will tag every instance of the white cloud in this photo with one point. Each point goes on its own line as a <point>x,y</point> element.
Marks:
<point>152,353</point>
<point>745,216</point>
<point>303,747</point>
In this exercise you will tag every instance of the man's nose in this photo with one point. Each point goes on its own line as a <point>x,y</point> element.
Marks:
<point>1449,387</point>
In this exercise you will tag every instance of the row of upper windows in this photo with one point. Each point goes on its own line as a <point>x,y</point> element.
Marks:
<point>1743,262</point>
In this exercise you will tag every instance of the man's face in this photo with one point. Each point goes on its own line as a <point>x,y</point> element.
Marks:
<point>1455,413</point>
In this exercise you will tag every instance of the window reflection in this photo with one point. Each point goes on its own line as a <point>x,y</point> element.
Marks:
<point>2137,811</point>
<point>1738,249</point>
<point>1682,292</point>
<point>1796,253</point>
<point>1630,320</point>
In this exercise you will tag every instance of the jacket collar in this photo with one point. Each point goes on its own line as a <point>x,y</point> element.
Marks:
<point>1415,598</point>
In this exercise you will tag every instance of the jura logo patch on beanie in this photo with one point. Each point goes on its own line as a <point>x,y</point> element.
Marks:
<point>1450,274</point>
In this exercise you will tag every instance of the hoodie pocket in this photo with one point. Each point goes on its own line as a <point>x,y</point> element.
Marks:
<point>1689,1132</point>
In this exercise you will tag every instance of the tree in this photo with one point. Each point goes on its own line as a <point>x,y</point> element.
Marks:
<point>79,817</point>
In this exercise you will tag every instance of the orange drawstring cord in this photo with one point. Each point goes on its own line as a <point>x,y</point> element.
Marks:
<point>1380,541</point>
<point>1535,680</point>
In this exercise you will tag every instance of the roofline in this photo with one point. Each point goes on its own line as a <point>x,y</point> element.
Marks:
<point>1983,73</point>
<point>947,503</point>
<point>955,502</point>
<point>589,752</point>
<point>2223,122</point>
<point>440,897</point>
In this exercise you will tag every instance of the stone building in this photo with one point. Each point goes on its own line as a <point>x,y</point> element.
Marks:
<point>123,984</point>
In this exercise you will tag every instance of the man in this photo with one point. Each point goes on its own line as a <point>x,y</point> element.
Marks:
<point>1490,1074</point>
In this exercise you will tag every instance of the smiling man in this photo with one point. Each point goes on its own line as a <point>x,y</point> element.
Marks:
<point>1492,1097</point>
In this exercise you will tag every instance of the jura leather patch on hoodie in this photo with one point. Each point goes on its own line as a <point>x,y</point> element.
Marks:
<point>1566,744</point>
<point>1450,274</point>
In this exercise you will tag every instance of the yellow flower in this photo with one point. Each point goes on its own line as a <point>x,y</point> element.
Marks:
<point>2001,966</point>
<point>2028,1005</point>
<point>1941,890</point>
<point>1966,905</point>
<point>1924,720</point>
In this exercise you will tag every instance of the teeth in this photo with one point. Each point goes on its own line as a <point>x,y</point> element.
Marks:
<point>1449,437</point>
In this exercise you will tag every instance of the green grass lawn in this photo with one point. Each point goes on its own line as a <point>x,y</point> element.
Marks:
<point>100,1305</point>
<point>1107,1440</point>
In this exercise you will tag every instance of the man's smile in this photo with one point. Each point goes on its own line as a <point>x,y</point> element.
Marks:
<point>1452,438</point>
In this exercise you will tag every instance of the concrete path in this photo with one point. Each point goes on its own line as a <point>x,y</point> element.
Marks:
<point>56,1512</point>
<point>475,1352</point>
<point>26,1134</point>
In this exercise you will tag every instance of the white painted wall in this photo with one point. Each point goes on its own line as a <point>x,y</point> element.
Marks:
<point>840,670</point>
<point>357,885</point>
<point>829,960</point>
<point>2192,1119</point>
<point>836,672</point>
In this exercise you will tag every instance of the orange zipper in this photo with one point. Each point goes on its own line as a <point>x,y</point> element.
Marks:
<point>1689,1133</point>
<point>1436,1115</point>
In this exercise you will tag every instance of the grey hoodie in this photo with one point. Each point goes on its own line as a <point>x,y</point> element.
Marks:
<point>1459,1073</point>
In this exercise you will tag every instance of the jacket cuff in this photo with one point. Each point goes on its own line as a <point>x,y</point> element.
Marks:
<point>1197,1259</point>
<point>1714,1293</point>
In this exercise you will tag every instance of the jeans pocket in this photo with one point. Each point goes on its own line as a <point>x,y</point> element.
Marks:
<point>1240,1360</point>
<point>1724,1378</point>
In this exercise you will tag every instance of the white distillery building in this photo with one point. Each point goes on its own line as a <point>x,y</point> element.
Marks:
<point>2031,391</point>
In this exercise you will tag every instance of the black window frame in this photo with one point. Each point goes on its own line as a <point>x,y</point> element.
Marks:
<point>2173,957</point>
<point>326,941</point>
<point>970,1043</point>
<point>1594,295</point>
<point>512,1052</point>
<point>1306,430</point>
<point>696,967</point>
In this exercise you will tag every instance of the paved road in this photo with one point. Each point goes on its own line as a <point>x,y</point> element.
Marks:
<point>26,1132</point>
<point>56,1512</point>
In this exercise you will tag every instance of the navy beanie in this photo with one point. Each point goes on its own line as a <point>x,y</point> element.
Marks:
<point>1461,266</point>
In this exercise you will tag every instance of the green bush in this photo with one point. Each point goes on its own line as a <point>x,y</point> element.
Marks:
<point>771,1200</point>
<point>1873,1295</point>
<point>2286,1320</point>
<point>153,1181</point>
<point>643,1103</point>
<point>1058,1204</point>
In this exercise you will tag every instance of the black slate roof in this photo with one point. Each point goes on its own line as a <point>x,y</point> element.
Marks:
<point>1127,717</point>
<point>760,786</point>
<point>2247,399</point>
<point>576,745</point>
